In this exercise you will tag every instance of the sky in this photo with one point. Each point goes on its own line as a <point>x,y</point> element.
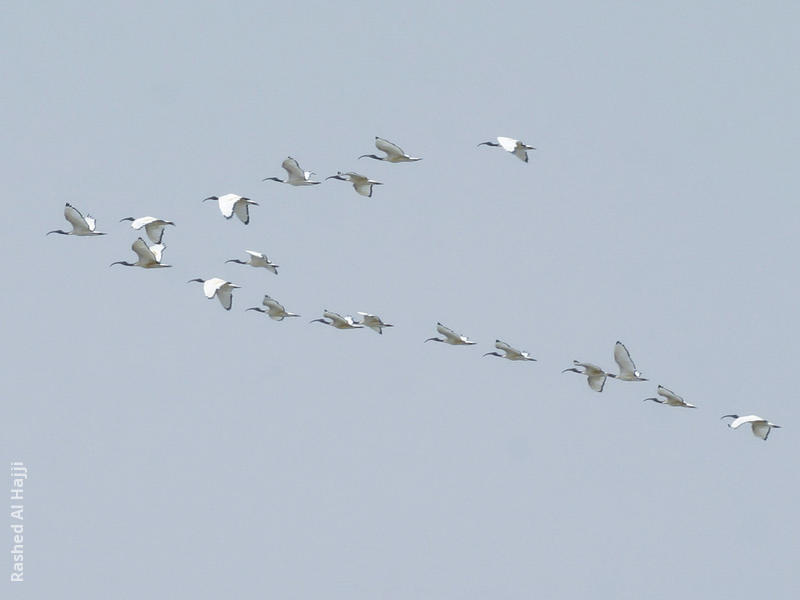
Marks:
<point>176,450</point>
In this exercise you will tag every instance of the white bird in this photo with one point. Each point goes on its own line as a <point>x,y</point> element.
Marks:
<point>81,225</point>
<point>233,203</point>
<point>670,398</point>
<point>274,309</point>
<point>218,287</point>
<point>517,148</point>
<point>510,352</point>
<point>149,256</point>
<point>394,153</point>
<point>337,320</point>
<point>295,175</point>
<point>361,184</point>
<point>450,337</point>
<point>627,370</point>
<point>761,427</point>
<point>595,376</point>
<point>257,259</point>
<point>152,226</point>
<point>374,322</point>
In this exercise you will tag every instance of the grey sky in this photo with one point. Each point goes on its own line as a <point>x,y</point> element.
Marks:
<point>179,451</point>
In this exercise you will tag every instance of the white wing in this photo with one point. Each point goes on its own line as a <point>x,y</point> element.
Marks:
<point>157,250</point>
<point>508,144</point>
<point>293,169</point>
<point>146,256</point>
<point>447,332</point>
<point>761,429</point>
<point>90,222</point>
<point>596,382</point>
<point>210,286</point>
<point>364,188</point>
<point>669,395</point>
<point>226,204</point>
<point>520,152</point>
<point>392,150</point>
<point>746,419</point>
<point>623,359</point>
<point>242,211</point>
<point>336,317</point>
<point>75,218</point>
<point>155,230</point>
<point>225,295</point>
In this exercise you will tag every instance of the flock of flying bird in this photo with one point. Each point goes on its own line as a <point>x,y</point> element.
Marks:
<point>150,257</point>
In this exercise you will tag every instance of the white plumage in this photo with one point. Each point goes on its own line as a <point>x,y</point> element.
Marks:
<point>257,259</point>
<point>81,226</point>
<point>670,398</point>
<point>149,257</point>
<point>154,228</point>
<point>274,310</point>
<point>509,352</point>
<point>394,153</point>
<point>760,426</point>
<point>595,376</point>
<point>295,175</point>
<point>361,184</point>
<point>218,287</point>
<point>516,147</point>
<point>338,321</point>
<point>374,322</point>
<point>231,204</point>
<point>450,337</point>
<point>627,370</point>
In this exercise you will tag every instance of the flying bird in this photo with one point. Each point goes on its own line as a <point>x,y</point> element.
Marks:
<point>337,320</point>
<point>374,322</point>
<point>595,376</point>
<point>83,226</point>
<point>233,203</point>
<point>517,148</point>
<point>149,257</point>
<point>154,228</point>
<point>218,287</point>
<point>394,153</point>
<point>257,259</point>
<point>760,427</point>
<point>670,398</point>
<point>274,310</point>
<point>509,352</point>
<point>363,185</point>
<point>627,370</point>
<point>450,337</point>
<point>295,175</point>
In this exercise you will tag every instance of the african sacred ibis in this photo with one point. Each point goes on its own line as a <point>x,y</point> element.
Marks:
<point>274,309</point>
<point>295,175</point>
<point>450,337</point>
<point>233,203</point>
<point>760,427</point>
<point>394,153</point>
<point>257,259</point>
<point>81,225</point>
<point>154,228</point>
<point>149,257</point>
<point>517,148</point>
<point>337,320</point>
<point>627,370</point>
<point>509,352</point>
<point>595,376</point>
<point>218,287</point>
<point>363,185</point>
<point>374,322</point>
<point>670,398</point>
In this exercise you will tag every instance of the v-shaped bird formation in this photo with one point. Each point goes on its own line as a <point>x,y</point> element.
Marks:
<point>150,257</point>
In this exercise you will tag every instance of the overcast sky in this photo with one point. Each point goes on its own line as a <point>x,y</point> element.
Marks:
<point>176,450</point>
